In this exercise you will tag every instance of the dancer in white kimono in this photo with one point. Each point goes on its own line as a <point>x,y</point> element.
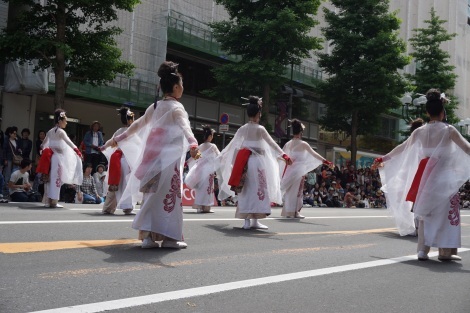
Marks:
<point>61,161</point>
<point>155,147</point>
<point>304,160</point>
<point>428,169</point>
<point>201,175</point>
<point>119,170</point>
<point>251,169</point>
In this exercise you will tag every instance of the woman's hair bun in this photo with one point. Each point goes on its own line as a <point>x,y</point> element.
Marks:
<point>167,68</point>
<point>433,94</point>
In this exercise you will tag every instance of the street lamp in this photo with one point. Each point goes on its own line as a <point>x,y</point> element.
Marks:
<point>410,104</point>
<point>292,92</point>
<point>462,123</point>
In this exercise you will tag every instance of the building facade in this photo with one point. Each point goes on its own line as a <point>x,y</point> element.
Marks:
<point>178,30</point>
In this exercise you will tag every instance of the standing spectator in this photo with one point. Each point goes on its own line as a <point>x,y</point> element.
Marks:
<point>99,178</point>
<point>155,147</point>
<point>26,145</point>
<point>201,176</point>
<point>38,143</point>
<point>257,151</point>
<point>304,159</point>
<point>60,161</point>
<point>20,188</point>
<point>11,148</point>
<point>93,141</point>
<point>86,192</point>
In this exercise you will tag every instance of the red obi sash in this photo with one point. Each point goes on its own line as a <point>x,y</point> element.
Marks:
<point>413,192</point>
<point>44,166</point>
<point>114,173</point>
<point>240,162</point>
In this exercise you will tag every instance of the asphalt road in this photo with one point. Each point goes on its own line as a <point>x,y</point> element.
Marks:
<point>336,260</point>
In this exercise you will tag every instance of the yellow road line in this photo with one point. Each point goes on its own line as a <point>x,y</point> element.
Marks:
<point>24,247</point>
<point>21,247</point>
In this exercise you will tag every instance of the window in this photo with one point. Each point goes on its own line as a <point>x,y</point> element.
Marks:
<point>388,129</point>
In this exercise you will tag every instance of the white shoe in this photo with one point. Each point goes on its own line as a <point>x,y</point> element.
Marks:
<point>247,224</point>
<point>258,225</point>
<point>174,244</point>
<point>148,243</point>
<point>422,256</point>
<point>297,215</point>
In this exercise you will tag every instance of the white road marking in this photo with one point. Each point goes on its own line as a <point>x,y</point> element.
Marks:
<point>186,220</point>
<point>202,291</point>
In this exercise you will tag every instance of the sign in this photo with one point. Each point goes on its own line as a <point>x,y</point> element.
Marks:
<point>224,119</point>
<point>223,128</point>
<point>189,195</point>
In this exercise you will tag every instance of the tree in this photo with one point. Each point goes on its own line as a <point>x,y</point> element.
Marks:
<point>268,35</point>
<point>433,69</point>
<point>72,37</point>
<point>363,81</point>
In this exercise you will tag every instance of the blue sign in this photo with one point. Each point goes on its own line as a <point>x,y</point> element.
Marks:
<point>224,118</point>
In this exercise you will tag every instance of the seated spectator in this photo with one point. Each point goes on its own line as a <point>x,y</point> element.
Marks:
<point>86,192</point>
<point>99,177</point>
<point>350,199</point>
<point>20,188</point>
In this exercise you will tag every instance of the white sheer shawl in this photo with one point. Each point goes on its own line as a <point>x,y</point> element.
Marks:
<point>203,166</point>
<point>255,138</point>
<point>448,168</point>
<point>304,160</point>
<point>155,142</point>
<point>70,163</point>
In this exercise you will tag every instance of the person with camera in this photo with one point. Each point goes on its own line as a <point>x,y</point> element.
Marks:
<point>19,185</point>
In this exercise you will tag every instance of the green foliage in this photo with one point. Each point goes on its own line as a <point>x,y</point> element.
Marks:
<point>366,55</point>
<point>70,36</point>
<point>268,35</point>
<point>433,69</point>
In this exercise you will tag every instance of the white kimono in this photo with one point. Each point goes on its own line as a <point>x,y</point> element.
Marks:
<point>437,201</point>
<point>262,184</point>
<point>304,160</point>
<point>200,177</point>
<point>155,147</point>
<point>66,165</point>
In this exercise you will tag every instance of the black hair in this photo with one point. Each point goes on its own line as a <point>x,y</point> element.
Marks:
<point>25,163</point>
<point>207,131</point>
<point>26,130</point>
<point>41,131</point>
<point>416,123</point>
<point>87,165</point>
<point>296,126</point>
<point>124,117</point>
<point>11,130</point>
<point>57,116</point>
<point>435,104</point>
<point>253,107</point>
<point>169,76</point>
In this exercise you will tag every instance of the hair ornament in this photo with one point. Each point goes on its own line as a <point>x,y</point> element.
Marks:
<point>62,114</point>
<point>130,113</point>
<point>443,97</point>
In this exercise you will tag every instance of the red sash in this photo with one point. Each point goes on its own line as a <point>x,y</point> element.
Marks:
<point>240,161</point>
<point>44,166</point>
<point>413,192</point>
<point>114,173</point>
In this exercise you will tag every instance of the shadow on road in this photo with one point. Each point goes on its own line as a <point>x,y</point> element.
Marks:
<point>230,231</point>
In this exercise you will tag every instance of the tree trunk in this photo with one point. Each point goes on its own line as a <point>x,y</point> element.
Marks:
<point>59,68</point>
<point>354,126</point>
<point>265,111</point>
